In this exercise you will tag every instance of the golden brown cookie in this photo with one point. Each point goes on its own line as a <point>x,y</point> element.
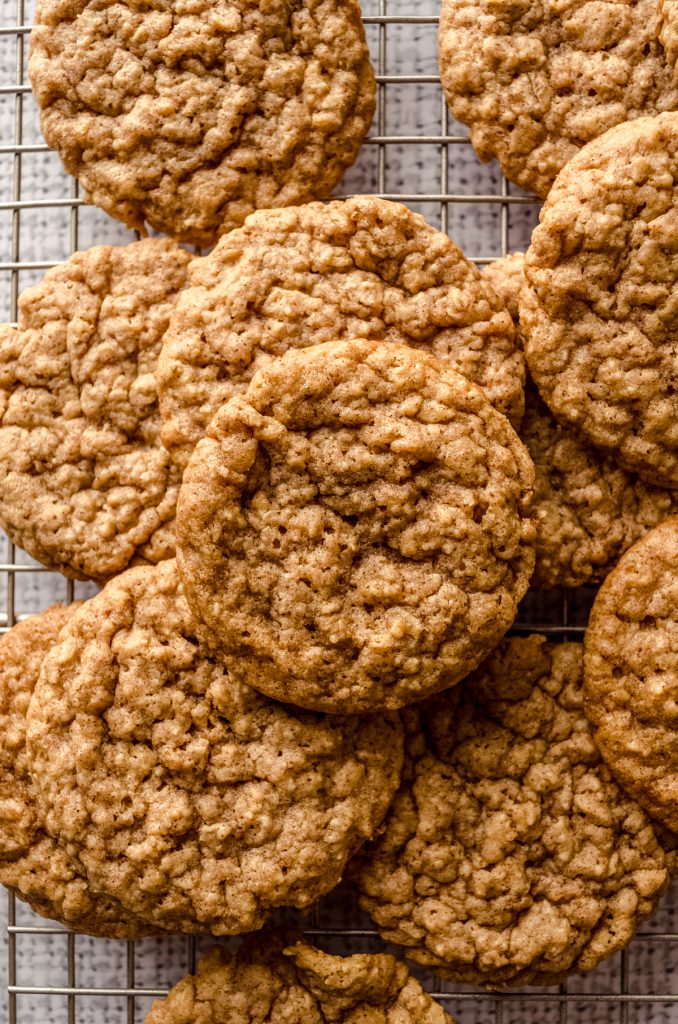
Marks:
<point>510,855</point>
<point>355,530</point>
<point>32,864</point>
<point>196,802</point>
<point>363,268</point>
<point>85,483</point>
<point>536,80</point>
<point>190,117</point>
<point>631,671</point>
<point>588,510</point>
<point>600,310</point>
<point>279,979</point>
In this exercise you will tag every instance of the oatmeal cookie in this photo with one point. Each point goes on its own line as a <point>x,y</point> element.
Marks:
<point>282,979</point>
<point>355,530</point>
<point>195,801</point>
<point>32,864</point>
<point>85,483</point>
<point>588,510</point>
<point>510,856</point>
<point>536,80</point>
<point>599,311</point>
<point>363,268</point>
<point>190,117</point>
<point>631,671</point>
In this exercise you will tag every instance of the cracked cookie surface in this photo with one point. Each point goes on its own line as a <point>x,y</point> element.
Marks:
<point>85,483</point>
<point>191,116</point>
<point>33,864</point>
<point>196,802</point>
<point>355,530</point>
<point>536,80</point>
<point>510,855</point>
<point>363,268</point>
<point>631,671</point>
<point>599,311</point>
<point>278,979</point>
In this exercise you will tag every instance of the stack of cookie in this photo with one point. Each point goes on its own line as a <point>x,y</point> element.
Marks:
<point>190,749</point>
<point>215,737</point>
<point>474,873</point>
<point>148,791</point>
<point>293,466</point>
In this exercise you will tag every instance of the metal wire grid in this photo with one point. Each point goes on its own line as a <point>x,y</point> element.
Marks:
<point>622,991</point>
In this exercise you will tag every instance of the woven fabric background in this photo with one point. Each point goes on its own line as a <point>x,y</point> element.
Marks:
<point>41,222</point>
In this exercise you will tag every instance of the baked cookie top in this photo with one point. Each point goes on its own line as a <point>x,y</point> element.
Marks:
<point>36,867</point>
<point>191,116</point>
<point>510,855</point>
<point>631,671</point>
<point>279,979</point>
<point>196,802</point>
<point>587,509</point>
<point>361,268</point>
<point>355,530</point>
<point>600,309</point>
<point>85,483</point>
<point>536,80</point>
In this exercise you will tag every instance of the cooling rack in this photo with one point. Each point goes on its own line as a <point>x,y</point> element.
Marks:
<point>419,155</point>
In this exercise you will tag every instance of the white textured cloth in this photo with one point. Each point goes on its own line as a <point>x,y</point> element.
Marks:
<point>48,233</point>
